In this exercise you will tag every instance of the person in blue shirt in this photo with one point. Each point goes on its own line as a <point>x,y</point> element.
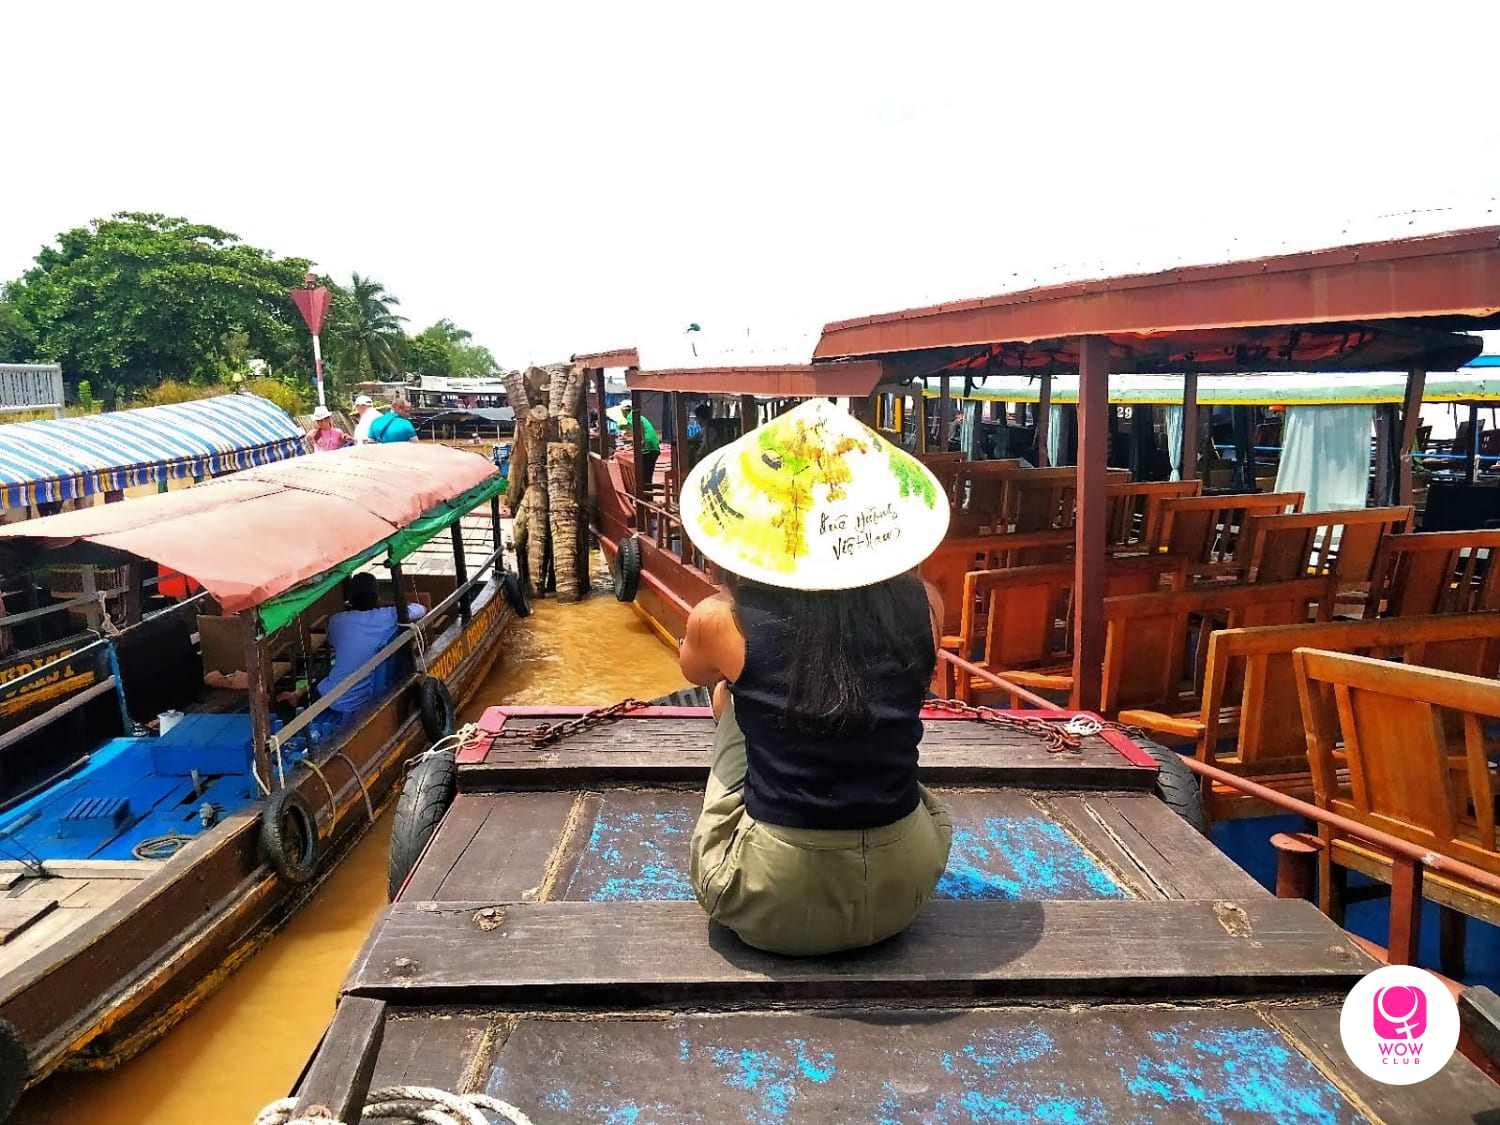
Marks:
<point>356,634</point>
<point>394,425</point>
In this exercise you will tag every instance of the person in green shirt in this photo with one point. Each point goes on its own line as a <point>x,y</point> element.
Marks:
<point>649,451</point>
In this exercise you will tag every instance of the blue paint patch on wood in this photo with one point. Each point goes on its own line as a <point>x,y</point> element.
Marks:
<point>976,1068</point>
<point>1022,858</point>
<point>637,856</point>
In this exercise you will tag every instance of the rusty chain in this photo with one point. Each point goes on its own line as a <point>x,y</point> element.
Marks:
<point>1061,737</point>
<point>548,733</point>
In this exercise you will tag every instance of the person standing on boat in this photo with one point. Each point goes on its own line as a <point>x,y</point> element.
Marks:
<point>815,835</point>
<point>650,448</point>
<point>364,415</point>
<point>355,635</point>
<point>324,435</point>
<point>394,425</point>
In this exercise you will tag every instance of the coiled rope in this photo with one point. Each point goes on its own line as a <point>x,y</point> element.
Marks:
<point>403,1105</point>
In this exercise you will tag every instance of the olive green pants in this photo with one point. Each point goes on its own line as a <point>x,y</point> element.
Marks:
<point>803,891</point>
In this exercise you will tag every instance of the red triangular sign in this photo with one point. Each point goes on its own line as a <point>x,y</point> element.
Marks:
<point>313,304</point>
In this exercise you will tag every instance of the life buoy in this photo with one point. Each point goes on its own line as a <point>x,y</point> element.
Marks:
<point>425,796</point>
<point>628,569</point>
<point>515,593</point>
<point>289,835</point>
<point>1177,785</point>
<point>14,1068</point>
<point>436,705</point>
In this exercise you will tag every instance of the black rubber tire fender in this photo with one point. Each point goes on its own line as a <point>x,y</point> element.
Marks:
<point>286,812</point>
<point>1176,785</point>
<point>427,792</point>
<point>628,569</point>
<point>515,593</point>
<point>435,703</point>
<point>15,1067</point>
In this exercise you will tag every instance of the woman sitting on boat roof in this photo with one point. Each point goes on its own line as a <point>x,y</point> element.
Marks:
<point>815,835</point>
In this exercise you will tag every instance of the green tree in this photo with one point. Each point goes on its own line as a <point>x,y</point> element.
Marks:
<point>135,299</point>
<point>16,342</point>
<point>367,335</point>
<point>445,349</point>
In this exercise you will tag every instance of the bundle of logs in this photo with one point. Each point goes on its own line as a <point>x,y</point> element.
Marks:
<point>548,479</point>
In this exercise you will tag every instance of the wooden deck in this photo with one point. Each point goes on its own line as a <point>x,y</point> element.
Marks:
<point>1088,958</point>
<point>37,911</point>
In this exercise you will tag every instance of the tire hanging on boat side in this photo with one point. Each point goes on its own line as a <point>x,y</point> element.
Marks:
<point>289,835</point>
<point>14,1068</point>
<point>515,593</point>
<point>1177,785</point>
<point>628,569</point>
<point>436,705</point>
<point>425,796</point>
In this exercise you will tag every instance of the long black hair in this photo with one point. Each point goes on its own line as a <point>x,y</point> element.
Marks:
<point>836,638</point>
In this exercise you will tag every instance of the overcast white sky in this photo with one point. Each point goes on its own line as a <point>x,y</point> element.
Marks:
<point>565,177</point>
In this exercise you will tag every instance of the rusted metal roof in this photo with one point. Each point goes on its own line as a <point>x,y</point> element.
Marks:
<point>616,357</point>
<point>1364,307</point>
<point>801,380</point>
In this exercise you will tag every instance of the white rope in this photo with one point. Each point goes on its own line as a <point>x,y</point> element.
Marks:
<point>449,745</point>
<point>403,1105</point>
<point>107,624</point>
<point>419,642</point>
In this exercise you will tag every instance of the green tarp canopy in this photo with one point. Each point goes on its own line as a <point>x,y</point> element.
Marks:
<point>284,608</point>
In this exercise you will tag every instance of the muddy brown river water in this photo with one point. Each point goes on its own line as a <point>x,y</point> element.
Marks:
<point>246,1044</point>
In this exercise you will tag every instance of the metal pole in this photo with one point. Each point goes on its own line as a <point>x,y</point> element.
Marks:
<point>1471,466</point>
<point>318,367</point>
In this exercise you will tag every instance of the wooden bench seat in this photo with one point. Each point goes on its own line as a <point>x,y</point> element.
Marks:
<point>1250,692</point>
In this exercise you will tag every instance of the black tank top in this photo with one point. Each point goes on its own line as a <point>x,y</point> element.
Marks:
<point>800,780</point>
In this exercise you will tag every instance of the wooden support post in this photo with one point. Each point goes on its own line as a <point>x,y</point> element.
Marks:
<point>1381,494</point>
<point>1043,419</point>
<point>134,590</point>
<point>1471,454</point>
<point>495,524</point>
<point>1411,418</point>
<point>642,486</point>
<point>1244,448</point>
<point>1406,911</point>
<point>1089,558</point>
<point>338,1081</point>
<point>749,414</point>
<point>945,412</point>
<point>461,570</point>
<point>398,594</point>
<point>919,408</point>
<point>259,693</point>
<point>1296,864</point>
<point>1188,468</point>
<point>679,444</point>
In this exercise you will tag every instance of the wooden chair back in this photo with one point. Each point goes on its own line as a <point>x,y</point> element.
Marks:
<point>1148,648</point>
<point>1206,529</point>
<point>1020,614</point>
<point>1435,572</point>
<point>946,567</point>
<point>1277,548</point>
<point>1135,508</point>
<point>976,490</point>
<point>1260,662</point>
<point>1383,720</point>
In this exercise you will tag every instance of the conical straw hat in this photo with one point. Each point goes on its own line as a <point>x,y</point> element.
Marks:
<point>814,500</point>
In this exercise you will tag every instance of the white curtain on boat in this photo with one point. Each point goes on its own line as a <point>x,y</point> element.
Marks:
<point>1174,440</point>
<point>1325,453</point>
<point>1054,434</point>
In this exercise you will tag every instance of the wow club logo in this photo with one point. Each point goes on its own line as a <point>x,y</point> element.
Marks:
<point>1399,1025</point>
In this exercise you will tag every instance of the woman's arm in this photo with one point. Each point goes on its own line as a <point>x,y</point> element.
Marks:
<point>707,650</point>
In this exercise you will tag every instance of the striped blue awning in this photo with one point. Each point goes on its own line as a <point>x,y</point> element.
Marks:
<point>44,462</point>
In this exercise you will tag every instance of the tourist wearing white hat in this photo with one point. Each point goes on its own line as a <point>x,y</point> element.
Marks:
<point>364,414</point>
<point>325,436</point>
<point>815,836</point>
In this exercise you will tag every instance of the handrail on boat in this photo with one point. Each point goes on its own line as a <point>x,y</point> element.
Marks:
<point>1408,860</point>
<point>407,635</point>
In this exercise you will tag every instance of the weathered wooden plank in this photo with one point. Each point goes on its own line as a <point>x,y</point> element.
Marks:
<point>666,953</point>
<point>1072,811</point>
<point>339,1078</point>
<point>510,854</point>
<point>1479,1011</point>
<point>11,870</point>
<point>443,1051</point>
<point>1182,1065</point>
<point>1458,1092</point>
<point>17,915</point>
<point>1181,861</point>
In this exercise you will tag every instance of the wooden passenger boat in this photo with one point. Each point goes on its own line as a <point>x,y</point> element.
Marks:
<point>141,876</point>
<point>1089,957</point>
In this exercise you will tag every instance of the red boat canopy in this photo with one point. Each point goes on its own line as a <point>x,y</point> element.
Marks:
<point>250,536</point>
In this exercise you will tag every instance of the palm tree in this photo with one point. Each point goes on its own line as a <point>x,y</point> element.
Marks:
<point>369,336</point>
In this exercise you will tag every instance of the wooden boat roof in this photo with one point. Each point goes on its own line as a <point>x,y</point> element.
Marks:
<point>613,357</point>
<point>1367,307</point>
<point>793,380</point>
<point>252,535</point>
